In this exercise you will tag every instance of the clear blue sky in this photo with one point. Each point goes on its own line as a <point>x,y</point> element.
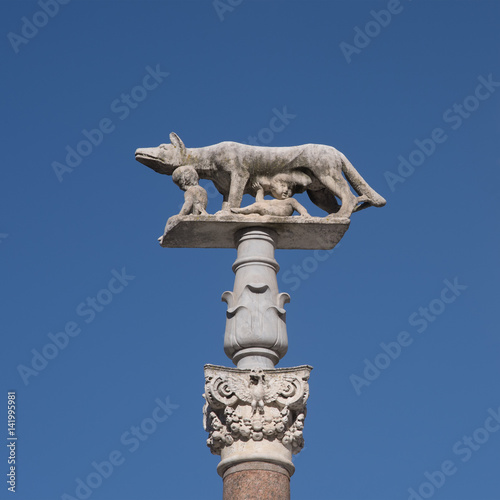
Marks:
<point>429,75</point>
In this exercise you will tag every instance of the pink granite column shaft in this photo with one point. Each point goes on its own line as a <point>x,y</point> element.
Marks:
<point>256,481</point>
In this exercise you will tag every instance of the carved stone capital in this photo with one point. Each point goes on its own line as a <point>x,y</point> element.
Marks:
<point>255,415</point>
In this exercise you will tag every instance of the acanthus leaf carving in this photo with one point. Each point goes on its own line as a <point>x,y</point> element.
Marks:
<point>256,318</point>
<point>244,405</point>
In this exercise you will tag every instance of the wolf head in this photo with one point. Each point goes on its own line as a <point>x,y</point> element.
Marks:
<point>165,158</point>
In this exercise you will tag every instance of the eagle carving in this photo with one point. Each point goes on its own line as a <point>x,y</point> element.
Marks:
<point>255,388</point>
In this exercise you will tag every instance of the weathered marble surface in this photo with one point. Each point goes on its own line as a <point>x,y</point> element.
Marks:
<point>195,197</point>
<point>255,335</point>
<point>255,415</point>
<point>236,169</point>
<point>217,231</point>
<point>284,207</point>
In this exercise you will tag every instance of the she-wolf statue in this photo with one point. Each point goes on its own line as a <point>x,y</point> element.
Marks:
<point>235,170</point>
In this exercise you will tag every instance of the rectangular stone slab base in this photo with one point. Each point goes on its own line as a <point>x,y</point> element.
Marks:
<point>218,231</point>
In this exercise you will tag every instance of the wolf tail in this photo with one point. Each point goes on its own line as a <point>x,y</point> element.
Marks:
<point>368,196</point>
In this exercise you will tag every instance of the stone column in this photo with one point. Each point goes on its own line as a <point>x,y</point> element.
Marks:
<point>256,321</point>
<point>254,413</point>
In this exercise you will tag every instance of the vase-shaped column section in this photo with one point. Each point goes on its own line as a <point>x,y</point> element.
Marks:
<point>256,320</point>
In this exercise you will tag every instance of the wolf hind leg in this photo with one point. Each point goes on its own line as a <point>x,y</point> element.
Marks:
<point>341,190</point>
<point>363,202</point>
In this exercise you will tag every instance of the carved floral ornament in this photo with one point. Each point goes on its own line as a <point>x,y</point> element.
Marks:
<point>244,405</point>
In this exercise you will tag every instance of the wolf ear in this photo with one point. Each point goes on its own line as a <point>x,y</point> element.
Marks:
<point>177,143</point>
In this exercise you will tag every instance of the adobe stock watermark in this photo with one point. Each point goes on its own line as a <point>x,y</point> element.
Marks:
<point>277,123</point>
<point>131,439</point>
<point>122,107</point>
<point>3,236</point>
<point>223,6</point>
<point>88,310</point>
<point>297,274</point>
<point>31,27</point>
<point>465,449</point>
<point>420,320</point>
<point>454,116</point>
<point>363,37</point>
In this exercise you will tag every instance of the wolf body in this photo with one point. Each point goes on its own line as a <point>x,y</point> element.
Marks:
<point>235,168</point>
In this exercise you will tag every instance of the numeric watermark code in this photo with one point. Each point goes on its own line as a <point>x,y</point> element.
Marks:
<point>11,441</point>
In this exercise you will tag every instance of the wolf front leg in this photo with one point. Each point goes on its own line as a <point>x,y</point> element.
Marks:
<point>225,204</point>
<point>236,189</point>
